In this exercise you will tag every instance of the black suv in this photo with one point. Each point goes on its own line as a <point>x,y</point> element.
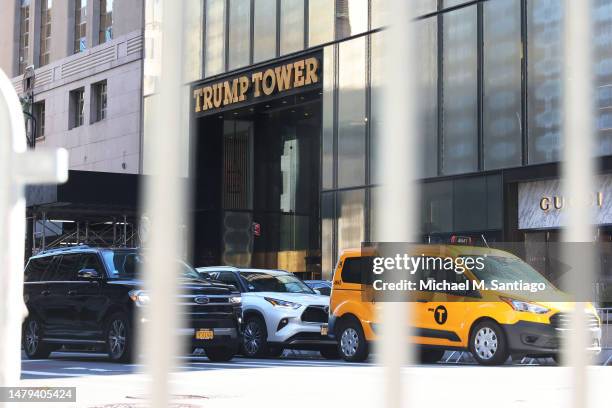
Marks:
<point>86,297</point>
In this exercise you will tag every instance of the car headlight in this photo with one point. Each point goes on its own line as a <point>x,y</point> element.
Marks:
<point>521,306</point>
<point>283,303</point>
<point>235,299</point>
<point>139,297</point>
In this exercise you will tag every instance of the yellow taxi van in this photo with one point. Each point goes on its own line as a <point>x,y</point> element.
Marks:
<point>491,324</point>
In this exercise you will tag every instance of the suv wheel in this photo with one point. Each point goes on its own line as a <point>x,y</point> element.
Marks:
<point>255,338</point>
<point>430,356</point>
<point>220,353</point>
<point>352,344</point>
<point>118,338</point>
<point>31,339</point>
<point>488,343</point>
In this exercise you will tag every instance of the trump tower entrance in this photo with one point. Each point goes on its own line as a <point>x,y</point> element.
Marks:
<point>256,168</point>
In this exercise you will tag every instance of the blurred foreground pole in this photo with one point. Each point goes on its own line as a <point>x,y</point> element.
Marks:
<point>164,205</point>
<point>17,168</point>
<point>578,183</point>
<point>397,211</point>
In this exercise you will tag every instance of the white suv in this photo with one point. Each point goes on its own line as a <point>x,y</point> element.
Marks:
<point>279,311</point>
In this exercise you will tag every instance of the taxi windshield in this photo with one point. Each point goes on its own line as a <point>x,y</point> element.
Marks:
<point>507,270</point>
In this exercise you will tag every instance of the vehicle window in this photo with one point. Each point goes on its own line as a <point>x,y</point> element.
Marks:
<point>37,269</point>
<point>229,278</point>
<point>263,282</point>
<point>508,270</point>
<point>122,264</point>
<point>91,261</point>
<point>127,264</point>
<point>68,267</point>
<point>325,290</point>
<point>357,270</point>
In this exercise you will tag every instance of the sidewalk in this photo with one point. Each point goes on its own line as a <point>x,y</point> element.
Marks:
<point>457,386</point>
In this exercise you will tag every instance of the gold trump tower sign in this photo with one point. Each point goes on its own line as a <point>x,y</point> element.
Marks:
<point>282,78</point>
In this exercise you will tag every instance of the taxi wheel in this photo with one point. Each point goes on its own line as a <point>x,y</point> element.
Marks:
<point>352,344</point>
<point>430,356</point>
<point>488,343</point>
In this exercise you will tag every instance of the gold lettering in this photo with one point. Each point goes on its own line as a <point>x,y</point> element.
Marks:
<point>197,94</point>
<point>244,87</point>
<point>208,94</point>
<point>558,201</point>
<point>269,82</point>
<point>299,74</point>
<point>256,78</point>
<point>599,199</point>
<point>311,71</point>
<point>283,77</point>
<point>230,91</point>
<point>217,95</point>
<point>545,204</point>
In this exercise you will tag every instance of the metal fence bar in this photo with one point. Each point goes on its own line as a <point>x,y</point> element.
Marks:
<point>17,168</point>
<point>578,181</point>
<point>398,166</point>
<point>164,205</point>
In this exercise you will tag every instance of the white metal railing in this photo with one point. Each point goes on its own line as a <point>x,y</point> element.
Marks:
<point>18,167</point>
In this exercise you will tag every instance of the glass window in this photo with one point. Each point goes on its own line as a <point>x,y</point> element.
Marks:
<point>351,112</point>
<point>602,54</point>
<point>264,30</point>
<point>292,26</point>
<point>328,258</point>
<point>45,32</point>
<point>24,35</point>
<point>502,84</point>
<point>80,25</point>
<point>99,101</point>
<point>320,22</point>
<point>239,33</point>
<point>351,17</point>
<point>327,150</point>
<point>379,10</point>
<point>427,74</point>
<point>377,68</point>
<point>351,219</point>
<point>77,107</point>
<point>459,108</point>
<point>544,50</point>
<point>470,209</point>
<point>437,213</point>
<point>215,37</point>
<point>451,3</point>
<point>39,115</point>
<point>106,21</point>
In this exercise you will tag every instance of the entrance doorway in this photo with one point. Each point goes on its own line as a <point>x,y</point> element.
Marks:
<point>257,183</point>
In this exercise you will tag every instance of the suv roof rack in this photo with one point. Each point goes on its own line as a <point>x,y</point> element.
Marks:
<point>70,248</point>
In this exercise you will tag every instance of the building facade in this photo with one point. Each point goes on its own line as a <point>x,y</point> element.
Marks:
<point>77,65</point>
<point>87,61</point>
<point>286,172</point>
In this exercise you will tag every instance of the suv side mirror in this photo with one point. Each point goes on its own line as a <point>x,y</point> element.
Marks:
<point>88,274</point>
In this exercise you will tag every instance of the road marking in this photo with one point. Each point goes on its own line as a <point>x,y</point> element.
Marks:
<point>48,373</point>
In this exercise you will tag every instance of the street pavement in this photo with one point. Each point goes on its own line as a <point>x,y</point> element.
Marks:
<point>302,381</point>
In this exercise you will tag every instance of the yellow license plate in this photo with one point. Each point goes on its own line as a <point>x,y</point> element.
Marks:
<point>204,334</point>
<point>324,330</point>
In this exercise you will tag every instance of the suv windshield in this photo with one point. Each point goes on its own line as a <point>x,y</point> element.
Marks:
<point>508,270</point>
<point>128,264</point>
<point>263,282</point>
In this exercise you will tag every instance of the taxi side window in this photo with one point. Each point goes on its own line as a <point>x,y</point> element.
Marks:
<point>357,270</point>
